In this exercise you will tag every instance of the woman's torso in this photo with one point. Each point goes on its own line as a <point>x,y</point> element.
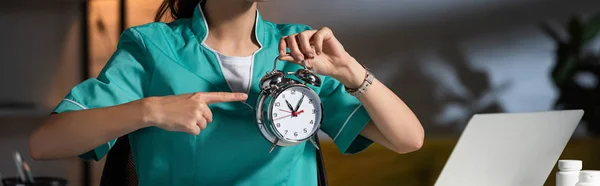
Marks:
<point>230,151</point>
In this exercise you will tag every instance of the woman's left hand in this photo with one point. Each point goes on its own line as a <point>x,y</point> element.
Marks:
<point>324,54</point>
<point>392,124</point>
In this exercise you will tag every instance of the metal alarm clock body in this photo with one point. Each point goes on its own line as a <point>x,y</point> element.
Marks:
<point>288,112</point>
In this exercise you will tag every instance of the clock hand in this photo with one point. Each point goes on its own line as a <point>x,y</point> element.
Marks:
<point>282,117</point>
<point>289,106</point>
<point>292,114</point>
<point>285,111</point>
<point>299,103</point>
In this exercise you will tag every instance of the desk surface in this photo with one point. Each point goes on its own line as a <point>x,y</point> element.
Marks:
<point>380,166</point>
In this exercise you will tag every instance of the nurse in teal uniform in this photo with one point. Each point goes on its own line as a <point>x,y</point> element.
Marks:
<point>185,92</point>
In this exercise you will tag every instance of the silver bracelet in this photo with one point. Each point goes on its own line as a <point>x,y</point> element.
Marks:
<point>364,86</point>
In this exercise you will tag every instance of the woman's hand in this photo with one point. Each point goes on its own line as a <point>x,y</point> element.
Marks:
<point>87,129</point>
<point>393,124</point>
<point>324,54</point>
<point>185,113</point>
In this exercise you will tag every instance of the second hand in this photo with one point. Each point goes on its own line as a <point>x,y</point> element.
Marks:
<point>299,112</point>
<point>282,117</point>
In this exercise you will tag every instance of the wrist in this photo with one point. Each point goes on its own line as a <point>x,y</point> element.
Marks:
<point>148,114</point>
<point>353,75</point>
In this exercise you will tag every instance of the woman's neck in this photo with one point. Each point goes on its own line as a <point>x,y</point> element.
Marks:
<point>231,26</point>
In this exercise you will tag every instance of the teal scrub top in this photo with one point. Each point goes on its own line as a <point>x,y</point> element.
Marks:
<point>160,59</point>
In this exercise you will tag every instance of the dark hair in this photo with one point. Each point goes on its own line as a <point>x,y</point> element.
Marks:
<point>177,8</point>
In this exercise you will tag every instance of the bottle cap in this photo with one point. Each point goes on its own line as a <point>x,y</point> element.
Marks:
<point>586,176</point>
<point>570,165</point>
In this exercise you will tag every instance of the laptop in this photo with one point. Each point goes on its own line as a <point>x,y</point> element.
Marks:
<point>509,149</point>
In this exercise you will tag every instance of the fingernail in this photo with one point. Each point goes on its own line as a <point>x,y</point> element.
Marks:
<point>244,96</point>
<point>318,52</point>
<point>311,55</point>
<point>301,58</point>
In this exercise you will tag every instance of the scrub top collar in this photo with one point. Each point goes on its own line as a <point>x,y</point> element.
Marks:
<point>200,27</point>
<point>262,58</point>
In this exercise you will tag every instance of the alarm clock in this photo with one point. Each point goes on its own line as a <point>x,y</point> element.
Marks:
<point>288,111</point>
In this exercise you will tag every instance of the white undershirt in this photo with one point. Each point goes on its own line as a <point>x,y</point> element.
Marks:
<point>237,71</point>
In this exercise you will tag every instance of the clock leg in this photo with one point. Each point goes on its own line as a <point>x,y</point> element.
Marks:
<point>314,143</point>
<point>273,146</point>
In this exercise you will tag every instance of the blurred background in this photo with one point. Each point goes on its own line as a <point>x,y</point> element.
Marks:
<point>446,59</point>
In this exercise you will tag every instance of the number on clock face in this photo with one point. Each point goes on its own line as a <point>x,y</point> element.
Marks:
<point>295,112</point>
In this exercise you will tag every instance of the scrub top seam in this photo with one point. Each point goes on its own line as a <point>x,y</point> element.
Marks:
<point>346,122</point>
<point>184,66</point>
<point>170,47</point>
<point>154,44</point>
<point>75,103</point>
<point>134,97</point>
<point>152,65</point>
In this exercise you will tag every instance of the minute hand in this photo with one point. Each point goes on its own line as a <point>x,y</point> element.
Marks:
<point>299,103</point>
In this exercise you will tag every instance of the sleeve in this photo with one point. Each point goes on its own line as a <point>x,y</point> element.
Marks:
<point>122,80</point>
<point>343,117</point>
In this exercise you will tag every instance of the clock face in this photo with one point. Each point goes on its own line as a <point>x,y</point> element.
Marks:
<point>296,113</point>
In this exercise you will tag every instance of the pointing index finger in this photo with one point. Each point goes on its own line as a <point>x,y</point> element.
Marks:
<point>219,97</point>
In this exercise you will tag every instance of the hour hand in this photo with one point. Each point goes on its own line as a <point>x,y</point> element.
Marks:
<point>289,106</point>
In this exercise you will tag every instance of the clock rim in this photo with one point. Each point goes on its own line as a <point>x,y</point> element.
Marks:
<point>262,126</point>
<point>271,124</point>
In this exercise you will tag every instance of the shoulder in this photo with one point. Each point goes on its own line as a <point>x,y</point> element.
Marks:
<point>176,27</point>
<point>160,34</point>
<point>288,28</point>
<point>158,38</point>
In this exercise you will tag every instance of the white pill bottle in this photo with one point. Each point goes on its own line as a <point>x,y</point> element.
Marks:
<point>589,178</point>
<point>568,172</point>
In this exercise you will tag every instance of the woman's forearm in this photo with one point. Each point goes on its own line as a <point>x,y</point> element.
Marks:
<point>393,124</point>
<point>393,119</point>
<point>72,133</point>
